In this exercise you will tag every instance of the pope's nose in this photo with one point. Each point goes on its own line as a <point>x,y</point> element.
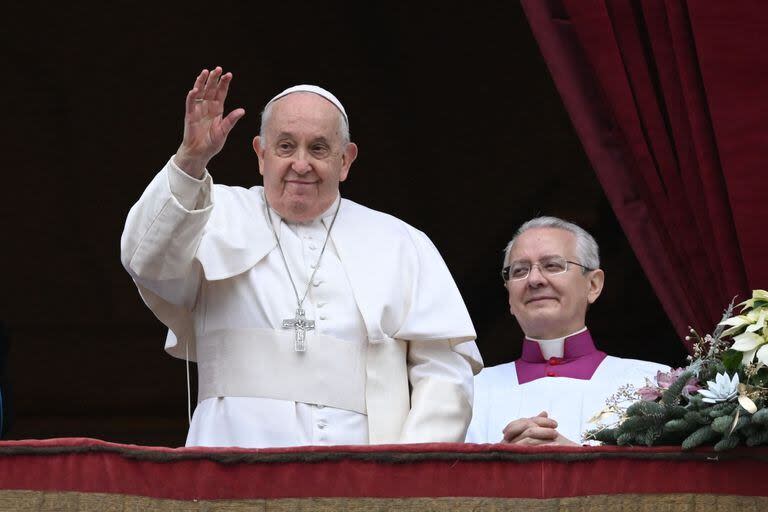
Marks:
<point>301,166</point>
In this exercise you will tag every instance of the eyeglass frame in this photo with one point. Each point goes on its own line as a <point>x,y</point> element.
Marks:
<point>506,277</point>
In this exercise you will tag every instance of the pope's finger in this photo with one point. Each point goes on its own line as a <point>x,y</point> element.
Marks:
<point>200,80</point>
<point>191,100</point>
<point>212,83</point>
<point>232,118</point>
<point>221,91</point>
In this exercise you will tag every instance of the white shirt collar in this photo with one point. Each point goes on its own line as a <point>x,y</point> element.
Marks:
<point>554,347</point>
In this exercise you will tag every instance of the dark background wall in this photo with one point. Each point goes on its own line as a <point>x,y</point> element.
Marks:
<point>461,134</point>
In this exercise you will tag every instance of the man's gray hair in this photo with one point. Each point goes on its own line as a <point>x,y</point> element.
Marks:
<point>586,248</point>
<point>267,113</point>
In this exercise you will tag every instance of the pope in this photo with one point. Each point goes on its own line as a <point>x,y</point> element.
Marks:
<point>313,319</point>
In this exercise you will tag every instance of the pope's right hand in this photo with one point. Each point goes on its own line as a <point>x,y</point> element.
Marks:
<point>205,127</point>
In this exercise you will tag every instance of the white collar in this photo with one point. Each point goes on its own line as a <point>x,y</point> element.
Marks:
<point>554,347</point>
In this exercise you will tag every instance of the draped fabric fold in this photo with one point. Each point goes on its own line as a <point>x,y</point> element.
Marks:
<point>650,93</point>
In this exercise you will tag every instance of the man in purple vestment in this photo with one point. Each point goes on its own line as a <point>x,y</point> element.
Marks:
<point>552,274</point>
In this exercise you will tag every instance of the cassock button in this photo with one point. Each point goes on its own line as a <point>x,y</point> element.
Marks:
<point>554,361</point>
<point>551,374</point>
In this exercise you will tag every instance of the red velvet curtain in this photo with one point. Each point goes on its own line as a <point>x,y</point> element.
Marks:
<point>669,100</point>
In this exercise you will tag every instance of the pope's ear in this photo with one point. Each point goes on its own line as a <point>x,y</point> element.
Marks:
<point>258,147</point>
<point>349,155</point>
<point>596,281</point>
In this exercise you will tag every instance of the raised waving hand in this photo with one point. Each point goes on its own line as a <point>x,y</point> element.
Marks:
<point>205,127</point>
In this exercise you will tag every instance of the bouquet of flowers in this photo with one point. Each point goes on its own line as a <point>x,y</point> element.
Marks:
<point>720,397</point>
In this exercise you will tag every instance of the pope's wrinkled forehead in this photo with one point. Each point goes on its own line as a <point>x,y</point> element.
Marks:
<point>314,90</point>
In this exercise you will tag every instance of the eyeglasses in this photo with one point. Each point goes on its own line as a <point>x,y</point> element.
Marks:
<point>548,266</point>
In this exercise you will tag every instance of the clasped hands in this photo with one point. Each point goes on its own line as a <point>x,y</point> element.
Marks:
<point>540,430</point>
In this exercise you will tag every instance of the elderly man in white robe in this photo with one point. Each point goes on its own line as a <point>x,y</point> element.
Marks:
<point>313,320</point>
<point>552,273</point>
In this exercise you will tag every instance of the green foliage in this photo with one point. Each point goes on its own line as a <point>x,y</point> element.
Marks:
<point>722,409</point>
<point>722,424</point>
<point>676,425</point>
<point>606,435</point>
<point>732,360</point>
<point>727,443</point>
<point>650,435</point>
<point>760,417</point>
<point>698,437</point>
<point>757,437</point>
<point>761,379</point>
<point>637,424</point>
<point>646,408</point>
<point>677,411</point>
<point>673,395</point>
<point>656,423</point>
<point>697,418</point>
<point>690,421</point>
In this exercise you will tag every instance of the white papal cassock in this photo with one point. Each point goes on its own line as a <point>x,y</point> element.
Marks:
<point>392,354</point>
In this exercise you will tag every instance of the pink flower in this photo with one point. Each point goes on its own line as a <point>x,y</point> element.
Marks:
<point>649,393</point>
<point>663,381</point>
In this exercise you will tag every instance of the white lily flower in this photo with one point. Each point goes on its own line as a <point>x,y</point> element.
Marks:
<point>736,323</point>
<point>722,389</point>
<point>757,295</point>
<point>748,343</point>
<point>759,322</point>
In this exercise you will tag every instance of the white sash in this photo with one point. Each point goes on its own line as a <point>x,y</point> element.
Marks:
<point>263,363</point>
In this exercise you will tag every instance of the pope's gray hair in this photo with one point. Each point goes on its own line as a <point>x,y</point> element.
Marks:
<point>267,113</point>
<point>587,250</point>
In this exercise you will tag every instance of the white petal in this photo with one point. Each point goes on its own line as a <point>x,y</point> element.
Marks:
<point>746,341</point>
<point>747,404</point>
<point>747,357</point>
<point>736,320</point>
<point>761,319</point>
<point>762,354</point>
<point>707,393</point>
<point>735,381</point>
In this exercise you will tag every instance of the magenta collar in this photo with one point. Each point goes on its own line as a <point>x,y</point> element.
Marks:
<point>580,360</point>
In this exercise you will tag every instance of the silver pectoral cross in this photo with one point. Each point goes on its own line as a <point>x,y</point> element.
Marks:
<point>300,325</point>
